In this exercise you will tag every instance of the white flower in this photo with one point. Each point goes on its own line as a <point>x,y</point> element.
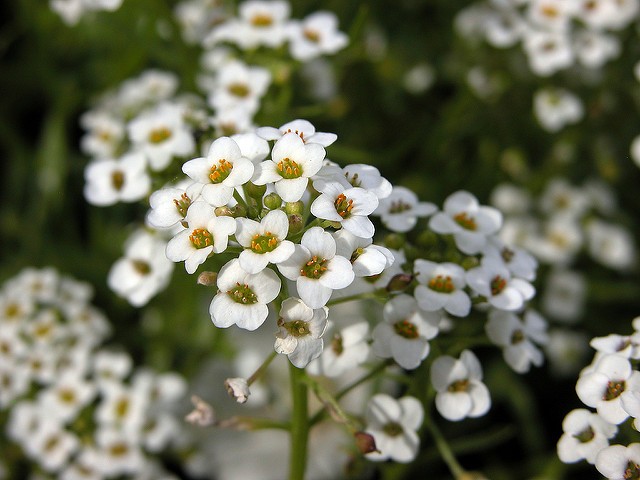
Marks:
<point>104,136</point>
<point>555,108</point>
<point>161,134</point>
<point>564,295</point>
<point>349,348</point>
<point>369,178</point>
<point>303,128</point>
<point>243,297</point>
<point>461,392</point>
<point>604,385</point>
<point>405,332</point>
<point>264,242</point>
<point>627,346</point>
<point>511,199</point>
<point>441,286</point>
<point>367,259</point>
<point>110,366</point>
<point>593,48</point>
<point>611,245</point>
<point>469,222</point>
<point>315,35</point>
<point>206,234</point>
<point>260,23</point>
<point>316,268</point>
<point>618,462</point>
<point>239,86</point>
<point>143,271</point>
<point>111,181</point>
<point>169,205</point>
<point>66,397</point>
<point>547,51</point>
<point>493,281</point>
<point>516,337</point>
<point>401,209</point>
<point>300,331</point>
<point>223,169</point>
<point>393,424</point>
<point>292,163</point>
<point>517,260</point>
<point>350,207</point>
<point>51,445</point>
<point>585,435</point>
<point>238,389</point>
<point>120,453</point>
<point>122,408</point>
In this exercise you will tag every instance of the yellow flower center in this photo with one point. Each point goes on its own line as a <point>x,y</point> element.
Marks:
<point>311,35</point>
<point>442,284</point>
<point>497,285</point>
<point>314,268</point>
<point>239,90</point>
<point>221,171</point>
<point>159,135</point>
<point>406,329</point>
<point>264,243</point>
<point>288,169</point>
<point>243,294</point>
<point>201,238</point>
<point>117,179</point>
<point>261,20</point>
<point>343,205</point>
<point>465,221</point>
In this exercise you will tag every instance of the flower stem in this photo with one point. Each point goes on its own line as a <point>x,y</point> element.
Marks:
<point>299,424</point>
<point>262,368</point>
<point>445,451</point>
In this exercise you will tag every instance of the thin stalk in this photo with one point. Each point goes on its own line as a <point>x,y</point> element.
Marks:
<point>262,368</point>
<point>445,451</point>
<point>299,424</point>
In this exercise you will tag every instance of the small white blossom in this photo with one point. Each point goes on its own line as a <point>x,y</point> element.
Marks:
<point>469,222</point>
<point>206,234</point>
<point>349,348</point>
<point>350,207</point>
<point>264,242</point>
<point>617,462</point>
<point>493,281</point>
<point>292,163</point>
<point>161,134</point>
<point>517,337</point>
<point>366,258</point>
<point>441,286</point>
<point>400,210</point>
<point>316,268</point>
<point>300,331</point>
<point>220,172</point>
<point>604,385</point>
<point>243,297</point>
<point>143,271</point>
<point>585,435</point>
<point>405,332</point>
<point>315,35</point>
<point>461,392</point>
<point>303,128</point>
<point>111,181</point>
<point>393,424</point>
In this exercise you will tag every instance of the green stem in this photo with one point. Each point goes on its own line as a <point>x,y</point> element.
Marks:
<point>445,451</point>
<point>261,369</point>
<point>299,424</point>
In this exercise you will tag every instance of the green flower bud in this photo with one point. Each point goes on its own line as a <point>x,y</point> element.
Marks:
<point>255,191</point>
<point>273,201</point>
<point>294,208</point>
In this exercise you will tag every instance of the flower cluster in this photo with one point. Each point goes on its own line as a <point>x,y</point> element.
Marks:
<point>554,35</point>
<point>76,409</point>
<point>611,386</point>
